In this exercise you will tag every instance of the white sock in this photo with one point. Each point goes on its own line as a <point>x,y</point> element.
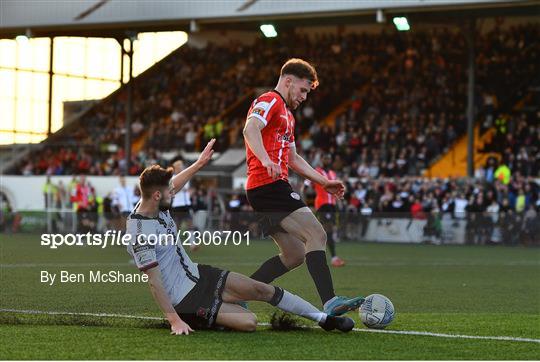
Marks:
<point>294,304</point>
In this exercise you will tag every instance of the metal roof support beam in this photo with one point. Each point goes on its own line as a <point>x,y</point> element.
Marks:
<point>470,35</point>
<point>51,67</point>
<point>129,105</point>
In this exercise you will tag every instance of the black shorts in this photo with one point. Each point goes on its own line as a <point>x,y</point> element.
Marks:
<point>327,214</point>
<point>274,202</point>
<point>201,305</point>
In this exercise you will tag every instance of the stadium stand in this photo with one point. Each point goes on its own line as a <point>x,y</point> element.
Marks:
<point>405,97</point>
<point>412,110</point>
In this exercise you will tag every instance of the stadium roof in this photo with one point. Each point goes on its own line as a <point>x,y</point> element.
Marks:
<point>111,18</point>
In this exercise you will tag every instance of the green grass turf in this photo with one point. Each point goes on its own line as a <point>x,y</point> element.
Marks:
<point>485,291</point>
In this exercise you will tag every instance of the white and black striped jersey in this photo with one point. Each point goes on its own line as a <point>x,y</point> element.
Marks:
<point>153,244</point>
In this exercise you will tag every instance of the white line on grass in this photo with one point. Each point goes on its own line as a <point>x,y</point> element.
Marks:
<point>29,311</point>
<point>445,335</point>
<point>410,333</point>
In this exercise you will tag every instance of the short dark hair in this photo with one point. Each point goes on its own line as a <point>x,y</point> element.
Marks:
<point>154,177</point>
<point>301,69</point>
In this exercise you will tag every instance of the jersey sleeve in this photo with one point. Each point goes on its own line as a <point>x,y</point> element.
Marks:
<point>142,251</point>
<point>264,109</point>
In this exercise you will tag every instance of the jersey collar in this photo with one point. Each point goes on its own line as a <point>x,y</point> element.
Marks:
<point>284,101</point>
<point>141,217</point>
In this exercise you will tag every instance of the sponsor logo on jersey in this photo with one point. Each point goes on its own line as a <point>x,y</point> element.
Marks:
<point>285,137</point>
<point>137,248</point>
<point>145,258</point>
<point>295,196</point>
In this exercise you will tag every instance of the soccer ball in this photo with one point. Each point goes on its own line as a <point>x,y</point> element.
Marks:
<point>377,311</point>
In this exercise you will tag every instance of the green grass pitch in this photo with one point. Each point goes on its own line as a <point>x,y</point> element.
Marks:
<point>461,290</point>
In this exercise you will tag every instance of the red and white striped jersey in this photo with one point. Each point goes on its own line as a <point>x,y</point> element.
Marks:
<point>277,136</point>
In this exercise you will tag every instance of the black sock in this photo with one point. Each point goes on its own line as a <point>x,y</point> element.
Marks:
<point>278,295</point>
<point>320,273</point>
<point>270,270</point>
<point>331,244</point>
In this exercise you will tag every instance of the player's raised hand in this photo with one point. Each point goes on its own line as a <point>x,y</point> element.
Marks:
<point>206,154</point>
<point>335,187</point>
<point>180,327</point>
<point>273,169</point>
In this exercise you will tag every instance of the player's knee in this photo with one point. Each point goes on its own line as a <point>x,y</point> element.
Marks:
<point>323,238</point>
<point>318,238</point>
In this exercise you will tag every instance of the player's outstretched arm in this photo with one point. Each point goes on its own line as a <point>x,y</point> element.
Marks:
<point>178,181</point>
<point>304,169</point>
<point>178,326</point>
<point>253,138</point>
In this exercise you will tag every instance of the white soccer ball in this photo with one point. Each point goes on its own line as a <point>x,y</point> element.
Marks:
<point>377,311</point>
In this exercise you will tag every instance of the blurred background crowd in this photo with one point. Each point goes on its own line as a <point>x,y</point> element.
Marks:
<point>403,100</point>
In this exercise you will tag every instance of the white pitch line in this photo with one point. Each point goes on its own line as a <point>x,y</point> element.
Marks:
<point>29,311</point>
<point>410,333</point>
<point>445,335</point>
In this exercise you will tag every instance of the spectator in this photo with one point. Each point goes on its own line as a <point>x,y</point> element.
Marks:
<point>124,198</point>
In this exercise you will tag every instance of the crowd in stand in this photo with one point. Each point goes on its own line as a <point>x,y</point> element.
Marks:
<point>178,105</point>
<point>414,109</point>
<point>517,141</point>
<point>501,211</point>
<point>171,104</point>
<point>75,160</point>
<point>502,202</point>
<point>505,210</point>
<point>407,91</point>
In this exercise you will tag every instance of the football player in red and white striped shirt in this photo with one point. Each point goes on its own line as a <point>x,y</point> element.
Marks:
<point>325,204</point>
<point>270,151</point>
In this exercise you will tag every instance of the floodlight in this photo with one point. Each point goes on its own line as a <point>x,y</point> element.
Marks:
<point>268,30</point>
<point>401,23</point>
